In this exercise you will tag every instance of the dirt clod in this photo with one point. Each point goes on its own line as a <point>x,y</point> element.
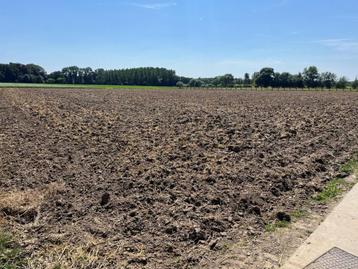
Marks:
<point>105,199</point>
<point>197,235</point>
<point>282,216</point>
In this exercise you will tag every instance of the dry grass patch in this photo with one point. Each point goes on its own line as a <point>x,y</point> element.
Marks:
<point>67,256</point>
<point>24,206</point>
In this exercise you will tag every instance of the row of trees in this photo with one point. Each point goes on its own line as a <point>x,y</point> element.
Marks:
<point>149,76</point>
<point>310,78</point>
<point>136,76</point>
<point>227,80</point>
<point>267,77</point>
<point>30,73</point>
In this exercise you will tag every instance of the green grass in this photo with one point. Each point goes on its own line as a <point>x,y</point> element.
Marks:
<point>277,224</point>
<point>10,253</point>
<point>82,86</point>
<point>273,226</point>
<point>299,213</point>
<point>333,188</point>
<point>336,186</point>
<point>351,167</point>
<point>109,87</point>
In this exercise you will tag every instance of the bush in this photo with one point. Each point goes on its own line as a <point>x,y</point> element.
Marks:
<point>342,83</point>
<point>60,80</point>
<point>355,84</point>
<point>180,84</point>
<point>195,83</point>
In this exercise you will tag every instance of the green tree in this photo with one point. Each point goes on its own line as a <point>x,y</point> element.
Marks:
<point>311,77</point>
<point>286,80</point>
<point>276,80</point>
<point>355,84</point>
<point>71,74</point>
<point>265,78</point>
<point>342,83</point>
<point>36,73</point>
<point>2,75</point>
<point>247,80</point>
<point>297,81</point>
<point>195,83</point>
<point>89,77</point>
<point>238,82</point>
<point>56,77</point>
<point>16,72</point>
<point>227,80</point>
<point>180,84</point>
<point>328,80</point>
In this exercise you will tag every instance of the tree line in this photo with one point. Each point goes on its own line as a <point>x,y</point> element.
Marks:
<point>147,76</point>
<point>150,76</point>
<point>267,77</point>
<point>30,73</point>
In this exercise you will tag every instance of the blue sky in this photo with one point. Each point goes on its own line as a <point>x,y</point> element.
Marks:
<point>196,38</point>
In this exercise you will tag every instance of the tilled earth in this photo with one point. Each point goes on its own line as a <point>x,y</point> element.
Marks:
<point>160,179</point>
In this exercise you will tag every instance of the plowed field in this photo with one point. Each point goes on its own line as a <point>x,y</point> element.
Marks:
<point>159,179</point>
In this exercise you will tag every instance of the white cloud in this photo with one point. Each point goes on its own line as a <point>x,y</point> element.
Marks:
<point>340,44</point>
<point>155,6</point>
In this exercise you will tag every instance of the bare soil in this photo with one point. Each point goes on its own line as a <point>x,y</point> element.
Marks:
<point>161,179</point>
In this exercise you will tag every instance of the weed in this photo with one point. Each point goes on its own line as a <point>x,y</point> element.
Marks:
<point>339,185</point>
<point>271,227</point>
<point>299,213</point>
<point>350,167</point>
<point>331,190</point>
<point>225,246</point>
<point>10,253</point>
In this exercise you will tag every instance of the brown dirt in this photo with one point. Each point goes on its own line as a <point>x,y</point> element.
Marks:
<point>161,179</point>
<point>272,249</point>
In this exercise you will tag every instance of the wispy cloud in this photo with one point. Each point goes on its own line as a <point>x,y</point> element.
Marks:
<point>282,2</point>
<point>340,44</point>
<point>155,6</point>
<point>251,63</point>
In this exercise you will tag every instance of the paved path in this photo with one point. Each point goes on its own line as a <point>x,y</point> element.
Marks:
<point>340,229</point>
